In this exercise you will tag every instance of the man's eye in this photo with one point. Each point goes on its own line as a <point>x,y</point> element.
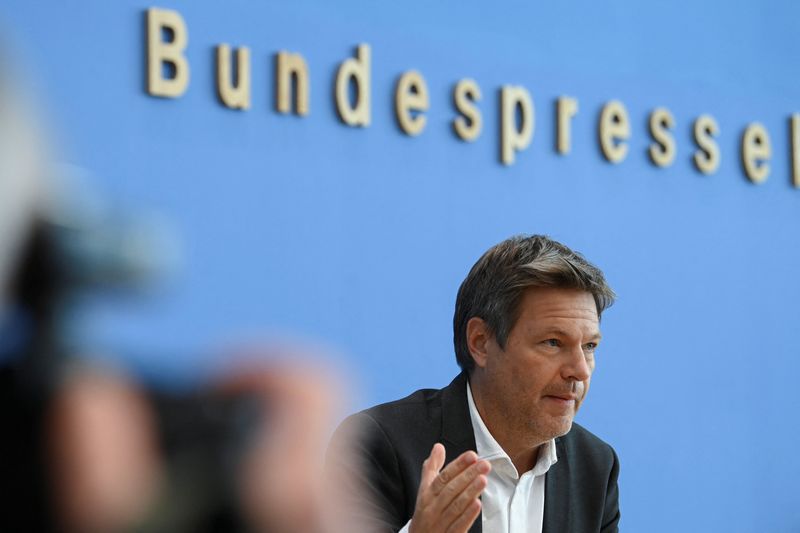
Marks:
<point>553,342</point>
<point>590,346</point>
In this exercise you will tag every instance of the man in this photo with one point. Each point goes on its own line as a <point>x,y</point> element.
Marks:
<point>497,450</point>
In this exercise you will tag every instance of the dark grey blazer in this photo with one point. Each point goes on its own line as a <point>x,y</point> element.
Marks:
<point>581,494</point>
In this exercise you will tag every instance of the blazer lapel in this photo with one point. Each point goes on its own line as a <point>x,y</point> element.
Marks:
<point>557,518</point>
<point>457,434</point>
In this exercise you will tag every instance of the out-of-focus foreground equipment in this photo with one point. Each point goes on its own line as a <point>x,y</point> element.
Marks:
<point>89,450</point>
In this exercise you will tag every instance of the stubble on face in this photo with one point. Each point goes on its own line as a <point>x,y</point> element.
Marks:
<point>532,388</point>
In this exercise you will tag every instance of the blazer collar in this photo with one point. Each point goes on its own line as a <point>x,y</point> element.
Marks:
<point>557,516</point>
<point>457,434</point>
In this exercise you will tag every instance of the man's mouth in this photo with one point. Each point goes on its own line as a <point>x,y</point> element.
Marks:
<point>563,396</point>
<point>563,400</point>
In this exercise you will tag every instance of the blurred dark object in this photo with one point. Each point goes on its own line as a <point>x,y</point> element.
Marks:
<point>31,363</point>
<point>88,449</point>
<point>202,434</point>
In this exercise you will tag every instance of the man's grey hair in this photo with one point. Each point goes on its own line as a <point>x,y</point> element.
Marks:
<point>495,285</point>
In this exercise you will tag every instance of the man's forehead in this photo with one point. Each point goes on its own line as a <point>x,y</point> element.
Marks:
<point>561,312</point>
<point>551,302</point>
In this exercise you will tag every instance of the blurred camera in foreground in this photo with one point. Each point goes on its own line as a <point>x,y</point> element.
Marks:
<point>91,449</point>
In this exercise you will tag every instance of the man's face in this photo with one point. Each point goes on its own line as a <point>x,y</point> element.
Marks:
<point>533,388</point>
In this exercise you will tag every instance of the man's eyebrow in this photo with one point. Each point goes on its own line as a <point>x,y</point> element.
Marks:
<point>555,331</point>
<point>594,337</point>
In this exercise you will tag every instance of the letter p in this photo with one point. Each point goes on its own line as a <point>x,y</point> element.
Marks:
<point>514,138</point>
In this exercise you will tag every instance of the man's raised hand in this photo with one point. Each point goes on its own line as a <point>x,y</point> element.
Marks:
<point>448,499</point>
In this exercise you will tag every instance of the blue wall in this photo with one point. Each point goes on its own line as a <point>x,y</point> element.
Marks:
<point>360,237</point>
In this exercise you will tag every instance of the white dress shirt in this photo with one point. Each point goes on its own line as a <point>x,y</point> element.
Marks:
<point>510,503</point>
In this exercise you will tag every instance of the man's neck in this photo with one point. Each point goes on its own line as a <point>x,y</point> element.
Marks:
<point>525,460</point>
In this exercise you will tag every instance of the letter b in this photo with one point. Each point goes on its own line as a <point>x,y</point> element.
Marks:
<point>160,52</point>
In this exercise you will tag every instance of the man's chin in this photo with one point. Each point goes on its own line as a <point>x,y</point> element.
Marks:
<point>566,429</point>
<point>552,430</point>
<point>561,427</point>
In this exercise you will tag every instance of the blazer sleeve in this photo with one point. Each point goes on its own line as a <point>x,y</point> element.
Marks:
<point>363,468</point>
<point>611,508</point>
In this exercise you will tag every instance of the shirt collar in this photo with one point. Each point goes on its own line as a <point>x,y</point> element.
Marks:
<point>487,447</point>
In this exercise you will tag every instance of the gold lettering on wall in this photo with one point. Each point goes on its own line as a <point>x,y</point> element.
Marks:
<point>515,101</point>
<point>756,151</point>
<point>290,67</point>
<point>615,128</point>
<point>706,159</point>
<point>566,108</point>
<point>160,52</point>
<point>235,96</point>
<point>356,70</point>
<point>662,152</point>
<point>168,75</point>
<point>411,96</point>
<point>469,123</point>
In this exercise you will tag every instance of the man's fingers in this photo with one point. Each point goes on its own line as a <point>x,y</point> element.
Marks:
<point>432,465</point>
<point>465,520</point>
<point>437,457</point>
<point>448,497</point>
<point>451,471</point>
<point>464,500</point>
<point>461,483</point>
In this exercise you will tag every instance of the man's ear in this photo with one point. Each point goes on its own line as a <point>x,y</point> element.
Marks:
<point>478,339</point>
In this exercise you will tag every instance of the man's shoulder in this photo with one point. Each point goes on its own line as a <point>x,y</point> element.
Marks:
<point>416,400</point>
<point>392,439</point>
<point>420,408</point>
<point>411,425</point>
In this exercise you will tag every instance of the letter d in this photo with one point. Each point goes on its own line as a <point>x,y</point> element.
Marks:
<point>357,70</point>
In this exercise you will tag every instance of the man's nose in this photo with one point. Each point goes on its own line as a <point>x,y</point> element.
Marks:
<point>577,368</point>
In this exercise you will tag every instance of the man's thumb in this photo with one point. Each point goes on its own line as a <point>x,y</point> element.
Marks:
<point>433,464</point>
